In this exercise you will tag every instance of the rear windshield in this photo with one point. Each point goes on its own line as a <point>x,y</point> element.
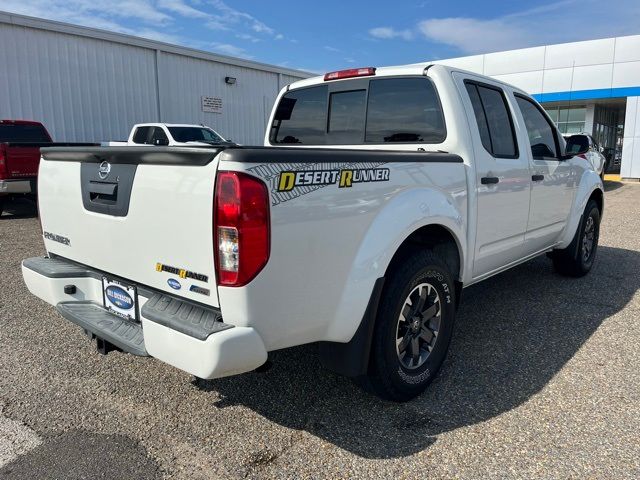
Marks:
<point>194,134</point>
<point>23,133</point>
<point>386,110</point>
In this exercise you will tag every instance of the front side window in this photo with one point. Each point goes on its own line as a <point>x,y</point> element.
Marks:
<point>404,110</point>
<point>493,119</point>
<point>301,117</point>
<point>540,131</point>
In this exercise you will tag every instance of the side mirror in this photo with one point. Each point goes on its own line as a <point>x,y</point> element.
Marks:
<point>161,142</point>
<point>577,145</point>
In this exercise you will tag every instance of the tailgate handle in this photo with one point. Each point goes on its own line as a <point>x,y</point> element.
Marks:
<point>103,192</point>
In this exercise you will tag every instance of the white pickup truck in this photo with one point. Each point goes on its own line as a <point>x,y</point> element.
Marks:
<point>172,135</point>
<point>380,195</point>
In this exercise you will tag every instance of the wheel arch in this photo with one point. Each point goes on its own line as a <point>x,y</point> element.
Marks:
<point>434,237</point>
<point>590,187</point>
<point>352,358</point>
<point>598,196</point>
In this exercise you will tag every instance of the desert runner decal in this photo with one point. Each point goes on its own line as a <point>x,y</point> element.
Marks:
<point>344,178</point>
<point>181,272</point>
<point>292,180</point>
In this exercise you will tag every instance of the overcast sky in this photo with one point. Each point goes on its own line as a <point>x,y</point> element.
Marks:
<point>326,35</point>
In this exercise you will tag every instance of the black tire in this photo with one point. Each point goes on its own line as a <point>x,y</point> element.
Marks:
<point>388,376</point>
<point>577,259</point>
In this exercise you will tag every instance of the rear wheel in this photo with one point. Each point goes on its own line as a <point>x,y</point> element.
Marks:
<point>413,327</point>
<point>577,259</point>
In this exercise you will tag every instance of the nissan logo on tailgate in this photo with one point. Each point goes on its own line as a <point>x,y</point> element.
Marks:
<point>104,169</point>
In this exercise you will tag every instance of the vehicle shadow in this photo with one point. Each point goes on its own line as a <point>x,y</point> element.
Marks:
<point>514,333</point>
<point>19,208</point>
<point>610,185</point>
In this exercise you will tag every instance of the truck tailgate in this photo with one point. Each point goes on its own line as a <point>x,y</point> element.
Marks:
<point>141,214</point>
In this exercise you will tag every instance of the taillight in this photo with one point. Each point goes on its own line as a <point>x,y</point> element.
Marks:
<point>352,72</point>
<point>241,228</point>
<point>3,163</point>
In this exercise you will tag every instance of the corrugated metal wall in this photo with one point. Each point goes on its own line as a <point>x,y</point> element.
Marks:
<point>81,89</point>
<point>87,89</point>
<point>184,80</point>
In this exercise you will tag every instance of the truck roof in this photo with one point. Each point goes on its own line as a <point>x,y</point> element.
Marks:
<point>21,122</point>
<point>411,69</point>
<point>155,124</point>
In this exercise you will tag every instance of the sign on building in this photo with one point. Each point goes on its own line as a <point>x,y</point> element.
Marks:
<point>211,104</point>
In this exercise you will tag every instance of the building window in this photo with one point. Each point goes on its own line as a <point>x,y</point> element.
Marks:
<point>569,119</point>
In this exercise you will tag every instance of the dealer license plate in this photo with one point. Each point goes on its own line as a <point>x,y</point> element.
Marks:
<point>119,298</point>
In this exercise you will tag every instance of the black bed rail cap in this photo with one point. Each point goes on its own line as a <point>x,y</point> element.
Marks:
<point>330,155</point>
<point>194,156</point>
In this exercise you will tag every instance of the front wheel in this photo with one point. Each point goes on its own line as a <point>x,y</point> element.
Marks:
<point>413,327</point>
<point>577,259</point>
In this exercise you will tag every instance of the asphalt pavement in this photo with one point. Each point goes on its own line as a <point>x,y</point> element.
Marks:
<point>542,380</point>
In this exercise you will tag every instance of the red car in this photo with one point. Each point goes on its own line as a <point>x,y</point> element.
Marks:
<point>20,142</point>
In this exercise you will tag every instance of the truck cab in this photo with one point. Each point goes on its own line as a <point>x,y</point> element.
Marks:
<point>174,134</point>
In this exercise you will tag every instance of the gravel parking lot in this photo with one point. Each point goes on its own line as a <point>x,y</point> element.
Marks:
<point>542,380</point>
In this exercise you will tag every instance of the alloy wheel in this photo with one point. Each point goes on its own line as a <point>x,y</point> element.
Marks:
<point>418,326</point>
<point>588,239</point>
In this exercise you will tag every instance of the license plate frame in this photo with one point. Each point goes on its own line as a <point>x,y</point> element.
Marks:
<point>120,298</point>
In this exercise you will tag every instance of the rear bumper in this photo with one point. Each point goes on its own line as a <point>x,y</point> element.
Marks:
<point>185,335</point>
<point>17,186</point>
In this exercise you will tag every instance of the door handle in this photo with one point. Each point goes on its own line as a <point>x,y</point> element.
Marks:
<point>537,178</point>
<point>489,180</point>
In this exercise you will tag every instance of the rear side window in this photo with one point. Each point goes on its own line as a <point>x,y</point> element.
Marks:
<point>541,136</point>
<point>23,133</point>
<point>158,134</point>
<point>141,135</point>
<point>404,110</point>
<point>301,117</point>
<point>346,116</point>
<point>494,120</point>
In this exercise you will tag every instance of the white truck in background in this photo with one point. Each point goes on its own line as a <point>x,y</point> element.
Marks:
<point>380,195</point>
<point>172,135</point>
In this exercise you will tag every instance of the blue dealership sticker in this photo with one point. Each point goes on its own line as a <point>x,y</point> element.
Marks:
<point>119,297</point>
<point>175,284</point>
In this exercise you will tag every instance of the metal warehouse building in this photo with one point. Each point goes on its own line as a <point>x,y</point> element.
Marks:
<point>591,86</point>
<point>92,85</point>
